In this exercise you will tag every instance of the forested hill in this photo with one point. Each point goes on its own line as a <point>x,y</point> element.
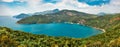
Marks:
<point>110,38</point>
<point>105,22</point>
<point>61,16</point>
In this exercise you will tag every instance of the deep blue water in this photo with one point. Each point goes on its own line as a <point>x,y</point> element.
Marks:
<point>53,29</point>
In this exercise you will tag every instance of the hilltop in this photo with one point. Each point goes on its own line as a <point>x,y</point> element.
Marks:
<point>23,15</point>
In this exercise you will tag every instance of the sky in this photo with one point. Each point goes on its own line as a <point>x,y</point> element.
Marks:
<point>15,7</point>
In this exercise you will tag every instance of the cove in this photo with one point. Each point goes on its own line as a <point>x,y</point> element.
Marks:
<point>51,29</point>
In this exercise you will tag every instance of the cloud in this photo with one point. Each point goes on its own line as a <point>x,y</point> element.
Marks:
<point>21,0</point>
<point>7,0</point>
<point>115,2</point>
<point>39,5</point>
<point>51,1</point>
<point>4,11</point>
<point>95,2</point>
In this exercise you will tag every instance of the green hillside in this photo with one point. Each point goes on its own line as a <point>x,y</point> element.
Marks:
<point>110,38</point>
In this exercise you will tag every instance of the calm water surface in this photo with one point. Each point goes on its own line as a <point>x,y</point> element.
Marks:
<point>53,29</point>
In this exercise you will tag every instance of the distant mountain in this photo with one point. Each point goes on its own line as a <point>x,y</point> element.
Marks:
<point>47,12</point>
<point>70,13</point>
<point>22,15</point>
<point>101,14</point>
<point>61,16</point>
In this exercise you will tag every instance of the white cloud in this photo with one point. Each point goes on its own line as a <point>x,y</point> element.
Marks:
<point>7,0</point>
<point>38,5</point>
<point>113,7</point>
<point>4,11</point>
<point>115,2</point>
<point>69,4</point>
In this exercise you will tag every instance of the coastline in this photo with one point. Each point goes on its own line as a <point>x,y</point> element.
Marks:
<point>103,30</point>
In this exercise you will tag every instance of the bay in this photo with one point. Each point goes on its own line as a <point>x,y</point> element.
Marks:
<point>51,29</point>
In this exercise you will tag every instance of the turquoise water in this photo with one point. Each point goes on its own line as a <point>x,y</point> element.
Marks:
<point>52,29</point>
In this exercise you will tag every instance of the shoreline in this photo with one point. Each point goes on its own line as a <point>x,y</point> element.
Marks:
<point>103,30</point>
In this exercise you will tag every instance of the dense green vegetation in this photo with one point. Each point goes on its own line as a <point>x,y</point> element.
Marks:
<point>12,38</point>
<point>104,22</point>
<point>110,38</point>
<point>111,25</point>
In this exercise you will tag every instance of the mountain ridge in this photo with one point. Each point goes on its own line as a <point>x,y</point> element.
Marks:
<point>47,12</point>
<point>23,15</point>
<point>61,16</point>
